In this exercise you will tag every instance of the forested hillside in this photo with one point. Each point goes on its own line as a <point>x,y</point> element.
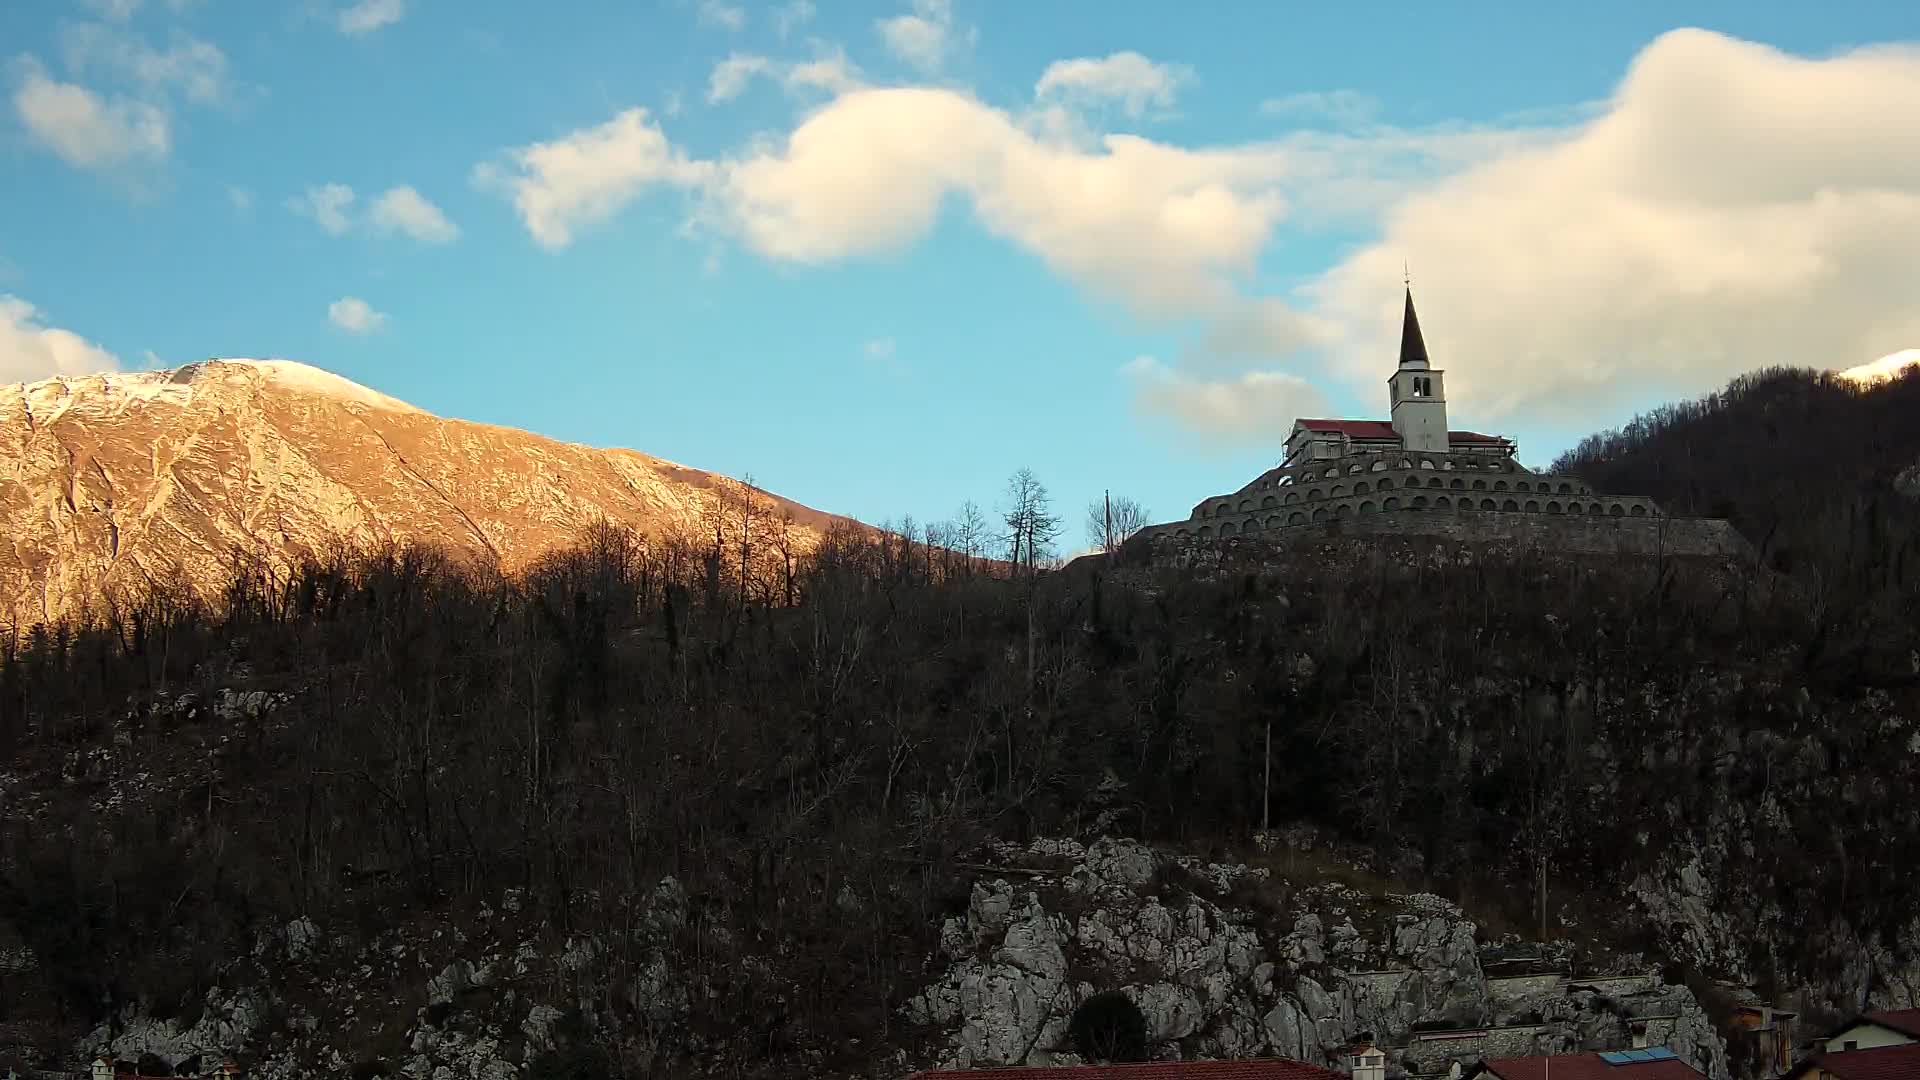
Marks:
<point>386,740</point>
<point>1804,463</point>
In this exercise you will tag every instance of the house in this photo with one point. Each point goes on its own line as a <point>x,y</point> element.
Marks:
<point>1653,1063</point>
<point>1890,1027</point>
<point>1245,1069</point>
<point>1774,1029</point>
<point>1896,1061</point>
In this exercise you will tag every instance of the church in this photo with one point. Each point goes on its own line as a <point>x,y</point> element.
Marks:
<point>1413,474</point>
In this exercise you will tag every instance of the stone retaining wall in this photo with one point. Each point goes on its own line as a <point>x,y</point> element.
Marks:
<point>1586,535</point>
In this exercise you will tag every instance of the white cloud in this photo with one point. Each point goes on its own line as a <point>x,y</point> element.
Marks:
<point>1158,225</point>
<point>1174,231</point>
<point>369,15</point>
<point>879,349</point>
<point>789,17</point>
<point>114,10</point>
<point>1731,207</point>
<point>86,130</point>
<point>922,38</point>
<point>328,205</point>
<point>588,175</point>
<point>196,68</point>
<point>830,71</point>
<point>402,209</point>
<point>241,198</point>
<point>1343,108</point>
<point>31,350</point>
<point>355,316</point>
<point>723,15</point>
<point>1126,78</point>
<point>1256,405</point>
<point>731,76</point>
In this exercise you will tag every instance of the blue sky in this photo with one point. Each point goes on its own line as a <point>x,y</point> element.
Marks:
<point>880,255</point>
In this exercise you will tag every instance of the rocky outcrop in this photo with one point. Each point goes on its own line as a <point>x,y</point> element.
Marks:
<point>1230,961</point>
<point>481,1003</point>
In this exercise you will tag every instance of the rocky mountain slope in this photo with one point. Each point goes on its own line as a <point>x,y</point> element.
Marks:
<point>1222,959</point>
<point>115,481</point>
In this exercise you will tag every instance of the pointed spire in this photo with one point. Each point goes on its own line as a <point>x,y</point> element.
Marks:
<point>1413,348</point>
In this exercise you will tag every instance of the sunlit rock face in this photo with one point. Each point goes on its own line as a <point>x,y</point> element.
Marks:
<point>117,480</point>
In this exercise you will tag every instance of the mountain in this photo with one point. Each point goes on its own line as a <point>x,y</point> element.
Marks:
<point>118,480</point>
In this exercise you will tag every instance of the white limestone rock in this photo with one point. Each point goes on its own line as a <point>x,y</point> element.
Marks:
<point>455,977</point>
<point>1172,1012</point>
<point>1112,864</point>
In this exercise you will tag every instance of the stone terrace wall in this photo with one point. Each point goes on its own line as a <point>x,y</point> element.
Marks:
<point>1572,535</point>
<point>1584,535</point>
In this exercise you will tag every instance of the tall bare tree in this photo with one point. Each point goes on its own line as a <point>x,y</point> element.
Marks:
<point>1112,519</point>
<point>969,535</point>
<point>1032,526</point>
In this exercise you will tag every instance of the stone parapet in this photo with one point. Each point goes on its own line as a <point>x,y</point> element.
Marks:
<point>1586,534</point>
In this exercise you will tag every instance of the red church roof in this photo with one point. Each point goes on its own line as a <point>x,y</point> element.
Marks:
<point>1383,429</point>
<point>1251,1069</point>
<point>1354,429</point>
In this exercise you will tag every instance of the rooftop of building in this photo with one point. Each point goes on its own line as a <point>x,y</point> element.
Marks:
<point>1383,429</point>
<point>1879,1063</point>
<point>1655,1063</point>
<point>1245,1069</point>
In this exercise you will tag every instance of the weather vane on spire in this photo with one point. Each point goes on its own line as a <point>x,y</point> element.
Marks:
<point>1406,274</point>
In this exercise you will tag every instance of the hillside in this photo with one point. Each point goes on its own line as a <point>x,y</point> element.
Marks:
<point>119,481</point>
<point>1808,465</point>
<point>634,814</point>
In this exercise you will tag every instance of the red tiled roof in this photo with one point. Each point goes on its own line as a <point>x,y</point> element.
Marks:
<point>1250,1069</point>
<point>1383,429</point>
<point>1354,429</point>
<point>1879,1063</point>
<point>1904,1021</point>
<point>1588,1066</point>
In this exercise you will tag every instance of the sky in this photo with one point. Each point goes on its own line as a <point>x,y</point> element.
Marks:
<point>878,256</point>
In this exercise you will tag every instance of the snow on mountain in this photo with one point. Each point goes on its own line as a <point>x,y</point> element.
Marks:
<point>118,479</point>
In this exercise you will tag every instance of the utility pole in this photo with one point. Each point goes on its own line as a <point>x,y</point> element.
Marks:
<point>1106,535</point>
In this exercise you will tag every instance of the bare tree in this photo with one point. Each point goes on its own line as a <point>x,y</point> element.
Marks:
<point>969,534</point>
<point>1112,519</point>
<point>1032,526</point>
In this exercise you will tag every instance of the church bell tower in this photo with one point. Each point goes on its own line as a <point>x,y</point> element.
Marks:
<point>1419,394</point>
